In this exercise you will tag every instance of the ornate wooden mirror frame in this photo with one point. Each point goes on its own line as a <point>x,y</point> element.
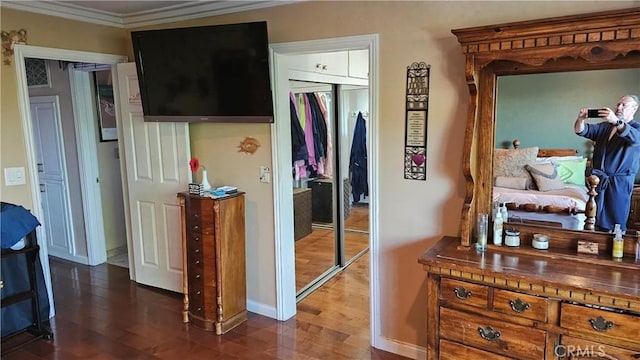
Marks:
<point>596,41</point>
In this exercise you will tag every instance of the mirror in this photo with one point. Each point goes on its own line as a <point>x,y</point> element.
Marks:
<point>598,41</point>
<point>539,110</point>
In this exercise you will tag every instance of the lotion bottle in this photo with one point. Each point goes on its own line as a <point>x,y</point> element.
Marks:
<point>618,243</point>
<point>497,229</point>
<point>504,212</point>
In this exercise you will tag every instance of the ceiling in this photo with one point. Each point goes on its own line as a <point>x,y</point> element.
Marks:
<point>127,14</point>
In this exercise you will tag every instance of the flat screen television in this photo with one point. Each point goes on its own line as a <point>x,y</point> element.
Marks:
<point>214,73</point>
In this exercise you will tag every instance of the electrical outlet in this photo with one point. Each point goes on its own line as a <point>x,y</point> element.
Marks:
<point>265,174</point>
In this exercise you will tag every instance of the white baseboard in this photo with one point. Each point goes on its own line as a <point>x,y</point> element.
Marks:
<point>410,351</point>
<point>76,259</point>
<point>261,309</point>
<point>117,251</point>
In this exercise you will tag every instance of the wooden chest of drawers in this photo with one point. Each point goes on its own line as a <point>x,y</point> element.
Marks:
<point>214,261</point>
<point>481,307</point>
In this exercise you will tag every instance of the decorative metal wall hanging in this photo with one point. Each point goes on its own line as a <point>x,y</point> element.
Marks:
<point>417,108</point>
<point>9,40</point>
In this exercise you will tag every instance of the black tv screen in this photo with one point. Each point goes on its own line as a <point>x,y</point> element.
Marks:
<point>214,73</point>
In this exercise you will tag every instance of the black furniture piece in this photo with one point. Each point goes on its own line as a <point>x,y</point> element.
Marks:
<point>24,303</point>
<point>322,199</point>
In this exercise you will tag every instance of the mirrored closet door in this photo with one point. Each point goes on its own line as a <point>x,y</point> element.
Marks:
<point>330,195</point>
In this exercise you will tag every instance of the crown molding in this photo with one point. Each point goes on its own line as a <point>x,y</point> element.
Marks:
<point>181,12</point>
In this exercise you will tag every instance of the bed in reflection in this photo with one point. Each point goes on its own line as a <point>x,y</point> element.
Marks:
<point>542,186</point>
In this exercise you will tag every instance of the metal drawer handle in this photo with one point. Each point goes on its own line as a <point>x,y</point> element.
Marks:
<point>197,276</point>
<point>197,251</point>
<point>488,333</point>
<point>196,227</point>
<point>196,238</point>
<point>198,292</point>
<point>196,215</point>
<point>600,324</point>
<point>197,262</point>
<point>462,293</point>
<point>518,305</point>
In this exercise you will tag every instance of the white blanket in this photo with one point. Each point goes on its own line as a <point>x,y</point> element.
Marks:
<point>573,196</point>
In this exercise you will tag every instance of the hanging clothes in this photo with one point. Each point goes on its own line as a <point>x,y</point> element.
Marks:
<point>328,160</point>
<point>299,153</point>
<point>312,165</point>
<point>358,160</point>
<point>319,127</point>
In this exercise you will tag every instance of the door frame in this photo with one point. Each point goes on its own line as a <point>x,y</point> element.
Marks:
<point>86,147</point>
<point>283,184</point>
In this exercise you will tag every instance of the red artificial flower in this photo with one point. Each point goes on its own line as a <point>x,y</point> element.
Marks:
<point>194,164</point>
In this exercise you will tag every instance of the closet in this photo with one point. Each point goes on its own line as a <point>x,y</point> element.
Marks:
<point>331,222</point>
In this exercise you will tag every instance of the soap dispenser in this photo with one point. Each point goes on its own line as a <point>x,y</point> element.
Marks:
<point>618,243</point>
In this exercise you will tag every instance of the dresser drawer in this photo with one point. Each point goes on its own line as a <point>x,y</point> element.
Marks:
<point>521,305</point>
<point>599,322</point>
<point>196,306</point>
<point>454,351</point>
<point>463,292</point>
<point>200,223</point>
<point>571,348</point>
<point>493,335</point>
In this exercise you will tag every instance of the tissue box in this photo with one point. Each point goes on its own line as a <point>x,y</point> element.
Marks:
<point>196,189</point>
<point>587,247</point>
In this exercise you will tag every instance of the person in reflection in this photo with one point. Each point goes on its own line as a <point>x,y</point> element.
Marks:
<point>616,158</point>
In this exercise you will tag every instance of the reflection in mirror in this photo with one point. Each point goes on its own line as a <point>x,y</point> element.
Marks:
<point>539,111</point>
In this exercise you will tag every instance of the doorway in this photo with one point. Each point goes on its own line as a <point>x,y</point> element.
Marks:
<point>283,188</point>
<point>83,131</point>
<point>331,230</point>
<point>51,97</point>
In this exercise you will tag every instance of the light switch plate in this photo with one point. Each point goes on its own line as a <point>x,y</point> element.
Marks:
<point>265,174</point>
<point>14,176</point>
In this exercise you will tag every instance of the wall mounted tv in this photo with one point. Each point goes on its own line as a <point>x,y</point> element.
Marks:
<point>214,73</point>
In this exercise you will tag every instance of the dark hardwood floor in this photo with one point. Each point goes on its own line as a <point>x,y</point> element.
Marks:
<point>101,314</point>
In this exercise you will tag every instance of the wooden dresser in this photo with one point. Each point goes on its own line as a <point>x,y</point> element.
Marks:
<point>513,304</point>
<point>523,303</point>
<point>214,261</point>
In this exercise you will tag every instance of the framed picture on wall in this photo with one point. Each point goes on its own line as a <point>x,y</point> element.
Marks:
<point>106,106</point>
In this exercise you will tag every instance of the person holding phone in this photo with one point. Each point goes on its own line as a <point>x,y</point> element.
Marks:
<point>616,158</point>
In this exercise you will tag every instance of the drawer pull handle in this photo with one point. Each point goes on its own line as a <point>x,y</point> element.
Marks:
<point>197,276</point>
<point>600,324</point>
<point>196,227</point>
<point>197,262</point>
<point>488,333</point>
<point>518,305</point>
<point>197,251</point>
<point>196,216</point>
<point>196,238</point>
<point>462,293</point>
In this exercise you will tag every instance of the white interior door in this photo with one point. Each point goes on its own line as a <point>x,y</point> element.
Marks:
<point>51,165</point>
<point>157,168</point>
